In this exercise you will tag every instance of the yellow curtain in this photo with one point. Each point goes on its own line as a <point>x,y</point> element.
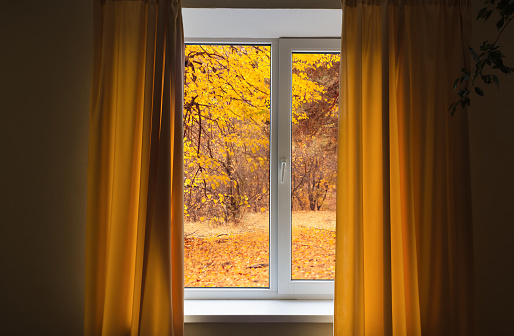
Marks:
<point>134,243</point>
<point>404,230</point>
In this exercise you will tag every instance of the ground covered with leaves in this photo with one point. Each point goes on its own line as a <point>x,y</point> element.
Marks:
<point>242,259</point>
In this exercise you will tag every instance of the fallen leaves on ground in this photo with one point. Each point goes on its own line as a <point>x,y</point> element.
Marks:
<point>313,254</point>
<point>242,260</point>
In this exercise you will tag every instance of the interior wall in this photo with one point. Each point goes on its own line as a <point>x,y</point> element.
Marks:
<point>258,329</point>
<point>45,70</point>
<point>45,67</point>
<point>491,122</point>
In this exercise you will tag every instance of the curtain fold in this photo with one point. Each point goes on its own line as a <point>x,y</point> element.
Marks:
<point>404,249</point>
<point>134,235</point>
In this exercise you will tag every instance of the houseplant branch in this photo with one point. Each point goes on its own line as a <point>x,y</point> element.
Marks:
<point>488,60</point>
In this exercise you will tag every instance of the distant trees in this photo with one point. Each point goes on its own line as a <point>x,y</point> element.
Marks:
<point>227,127</point>
<point>314,129</point>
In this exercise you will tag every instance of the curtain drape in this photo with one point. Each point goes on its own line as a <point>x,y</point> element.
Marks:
<point>404,261</point>
<point>134,242</point>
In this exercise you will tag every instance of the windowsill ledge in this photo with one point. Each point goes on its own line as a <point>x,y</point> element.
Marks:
<point>258,311</point>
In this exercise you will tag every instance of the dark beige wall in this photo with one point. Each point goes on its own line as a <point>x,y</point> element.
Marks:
<point>492,171</point>
<point>258,329</point>
<point>45,64</point>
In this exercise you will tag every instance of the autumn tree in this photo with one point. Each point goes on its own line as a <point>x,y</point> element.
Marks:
<point>226,131</point>
<point>314,129</point>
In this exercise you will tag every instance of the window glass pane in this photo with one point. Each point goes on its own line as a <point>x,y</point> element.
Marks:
<point>226,161</point>
<point>315,96</point>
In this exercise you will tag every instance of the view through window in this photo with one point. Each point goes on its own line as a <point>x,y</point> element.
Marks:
<point>227,125</point>
<point>226,159</point>
<point>315,97</point>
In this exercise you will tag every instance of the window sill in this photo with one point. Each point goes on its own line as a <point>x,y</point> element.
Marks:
<point>258,311</point>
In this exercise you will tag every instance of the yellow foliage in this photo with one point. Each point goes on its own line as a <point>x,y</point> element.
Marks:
<point>227,124</point>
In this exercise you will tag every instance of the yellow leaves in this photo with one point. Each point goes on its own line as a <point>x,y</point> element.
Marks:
<point>239,260</point>
<point>227,73</point>
<point>242,260</point>
<point>305,90</point>
<point>226,122</point>
<point>313,254</point>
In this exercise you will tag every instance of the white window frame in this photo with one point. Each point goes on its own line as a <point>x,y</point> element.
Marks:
<point>280,284</point>
<point>317,288</point>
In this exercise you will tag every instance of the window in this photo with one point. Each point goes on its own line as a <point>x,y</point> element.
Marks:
<point>227,163</point>
<point>306,142</point>
<point>260,127</point>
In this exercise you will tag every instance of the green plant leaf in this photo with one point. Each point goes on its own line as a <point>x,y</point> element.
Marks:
<point>479,91</point>
<point>500,22</point>
<point>486,79</point>
<point>504,69</point>
<point>496,80</point>
<point>455,84</point>
<point>474,54</point>
<point>481,13</point>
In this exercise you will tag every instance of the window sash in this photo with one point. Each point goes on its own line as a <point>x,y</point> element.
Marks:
<point>280,284</point>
